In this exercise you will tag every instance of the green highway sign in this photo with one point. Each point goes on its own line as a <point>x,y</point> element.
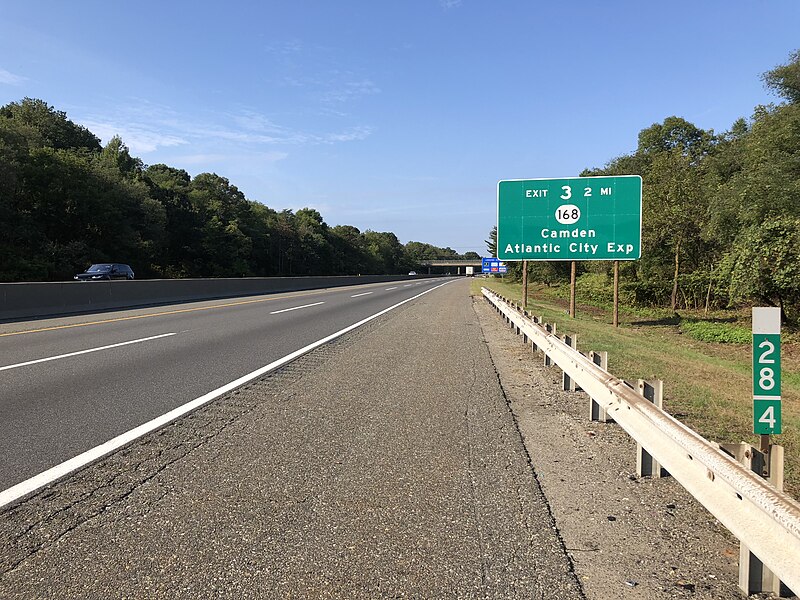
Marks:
<point>766,370</point>
<point>575,218</point>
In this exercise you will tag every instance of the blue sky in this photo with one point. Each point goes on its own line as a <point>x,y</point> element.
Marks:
<point>392,115</point>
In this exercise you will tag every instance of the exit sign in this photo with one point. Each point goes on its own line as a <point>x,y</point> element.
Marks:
<point>575,218</point>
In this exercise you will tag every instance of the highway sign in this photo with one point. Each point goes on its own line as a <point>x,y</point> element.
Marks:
<point>766,370</point>
<point>492,265</point>
<point>574,218</point>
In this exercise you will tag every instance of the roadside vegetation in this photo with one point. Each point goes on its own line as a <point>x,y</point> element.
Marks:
<point>73,202</point>
<point>703,359</point>
<point>720,234</point>
<point>720,212</point>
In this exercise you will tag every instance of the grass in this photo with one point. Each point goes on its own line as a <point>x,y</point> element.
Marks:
<point>705,362</point>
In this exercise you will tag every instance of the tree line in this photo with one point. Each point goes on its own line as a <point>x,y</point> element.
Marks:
<point>66,201</point>
<point>720,212</point>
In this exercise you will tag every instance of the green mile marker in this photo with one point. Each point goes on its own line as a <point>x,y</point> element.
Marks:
<point>766,370</point>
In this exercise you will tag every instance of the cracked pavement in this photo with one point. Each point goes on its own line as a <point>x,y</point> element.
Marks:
<point>386,464</point>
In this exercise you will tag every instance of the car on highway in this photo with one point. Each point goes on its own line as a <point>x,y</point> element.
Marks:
<point>105,272</point>
<point>412,272</point>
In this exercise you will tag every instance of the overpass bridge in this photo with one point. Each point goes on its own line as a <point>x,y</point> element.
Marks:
<point>446,266</point>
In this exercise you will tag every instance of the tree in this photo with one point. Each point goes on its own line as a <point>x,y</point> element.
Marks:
<point>491,243</point>
<point>784,80</point>
<point>225,249</point>
<point>764,264</point>
<point>385,251</point>
<point>674,135</point>
<point>314,247</point>
<point>183,226</point>
<point>53,127</point>
<point>116,154</point>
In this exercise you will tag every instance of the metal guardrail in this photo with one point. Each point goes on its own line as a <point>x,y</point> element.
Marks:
<point>766,520</point>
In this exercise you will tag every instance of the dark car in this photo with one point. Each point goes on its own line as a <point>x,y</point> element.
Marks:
<point>105,271</point>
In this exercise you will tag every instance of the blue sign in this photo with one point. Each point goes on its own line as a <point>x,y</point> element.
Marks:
<point>492,265</point>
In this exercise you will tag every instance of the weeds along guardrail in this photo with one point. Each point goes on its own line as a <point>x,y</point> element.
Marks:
<point>755,510</point>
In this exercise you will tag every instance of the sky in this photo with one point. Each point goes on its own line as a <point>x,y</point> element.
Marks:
<point>392,115</point>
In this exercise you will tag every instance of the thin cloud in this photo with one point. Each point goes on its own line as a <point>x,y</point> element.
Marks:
<point>204,159</point>
<point>351,91</point>
<point>354,134</point>
<point>448,4</point>
<point>285,48</point>
<point>164,129</point>
<point>9,78</point>
<point>140,138</point>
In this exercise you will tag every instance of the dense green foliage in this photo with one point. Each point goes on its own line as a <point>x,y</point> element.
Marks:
<point>66,202</point>
<point>720,214</point>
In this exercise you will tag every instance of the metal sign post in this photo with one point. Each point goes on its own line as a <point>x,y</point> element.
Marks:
<point>524,284</point>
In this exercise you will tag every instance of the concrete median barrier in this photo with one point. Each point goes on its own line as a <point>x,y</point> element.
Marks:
<point>35,300</point>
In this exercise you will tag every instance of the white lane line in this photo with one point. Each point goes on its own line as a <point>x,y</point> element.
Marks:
<point>390,289</point>
<point>275,312</point>
<point>408,285</point>
<point>49,358</point>
<point>364,294</point>
<point>53,474</point>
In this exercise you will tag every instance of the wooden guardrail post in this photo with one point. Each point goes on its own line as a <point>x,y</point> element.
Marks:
<point>568,383</point>
<point>597,412</point>
<point>754,576</point>
<point>646,465</point>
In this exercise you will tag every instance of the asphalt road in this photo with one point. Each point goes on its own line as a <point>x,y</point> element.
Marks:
<point>386,464</point>
<point>135,365</point>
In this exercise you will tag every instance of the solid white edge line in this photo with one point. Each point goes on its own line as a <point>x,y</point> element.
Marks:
<point>362,294</point>
<point>275,312</point>
<point>53,474</point>
<point>49,358</point>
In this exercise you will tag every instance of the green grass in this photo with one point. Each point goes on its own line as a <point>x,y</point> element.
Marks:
<point>704,360</point>
<point>720,333</point>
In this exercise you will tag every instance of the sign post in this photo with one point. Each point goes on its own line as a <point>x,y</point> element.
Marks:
<point>524,284</point>
<point>766,373</point>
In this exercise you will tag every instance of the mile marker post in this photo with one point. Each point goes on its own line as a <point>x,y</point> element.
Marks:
<point>766,374</point>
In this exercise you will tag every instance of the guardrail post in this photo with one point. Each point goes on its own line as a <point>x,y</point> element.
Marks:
<point>568,383</point>
<point>646,465</point>
<point>550,328</point>
<point>754,576</point>
<point>597,412</point>
<point>537,321</point>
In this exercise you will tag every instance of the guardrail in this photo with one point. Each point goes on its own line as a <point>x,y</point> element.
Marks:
<point>763,518</point>
<point>39,299</point>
